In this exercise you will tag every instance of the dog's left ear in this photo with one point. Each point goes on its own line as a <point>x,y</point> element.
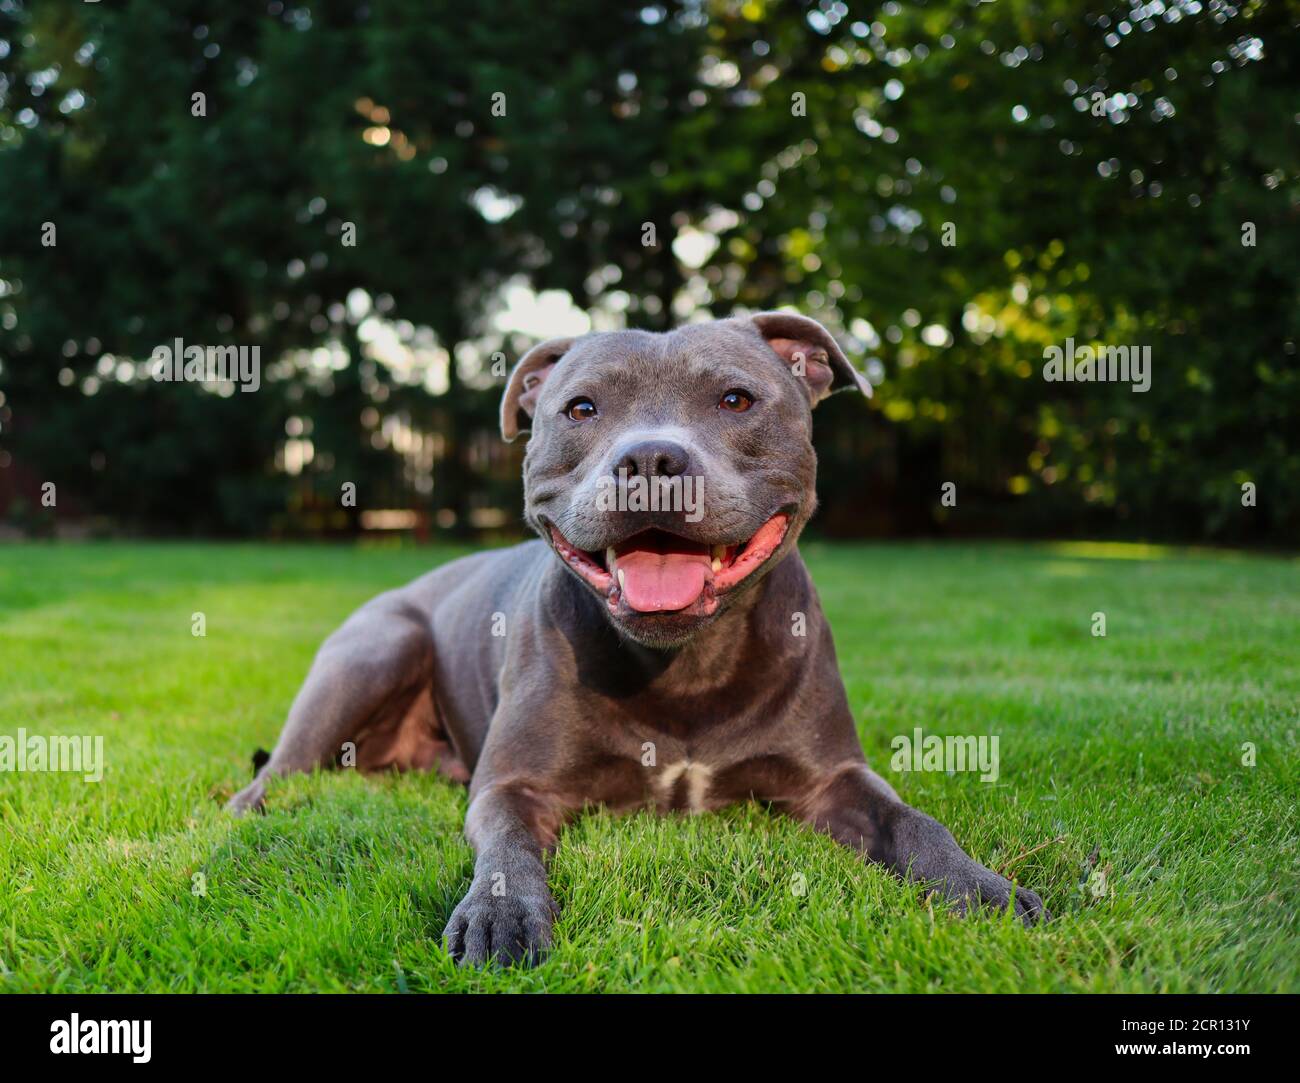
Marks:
<point>519,402</point>
<point>812,354</point>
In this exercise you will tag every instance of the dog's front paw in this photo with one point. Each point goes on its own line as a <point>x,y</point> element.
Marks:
<point>985,888</point>
<point>504,927</point>
<point>250,799</point>
<point>931,855</point>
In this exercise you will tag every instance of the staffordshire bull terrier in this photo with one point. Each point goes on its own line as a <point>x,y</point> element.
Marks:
<point>636,656</point>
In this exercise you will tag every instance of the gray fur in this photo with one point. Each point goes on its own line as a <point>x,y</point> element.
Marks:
<point>557,713</point>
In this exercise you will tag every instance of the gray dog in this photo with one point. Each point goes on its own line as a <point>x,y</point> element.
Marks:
<point>661,653</point>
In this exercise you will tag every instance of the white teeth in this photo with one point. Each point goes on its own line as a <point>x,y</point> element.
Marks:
<point>609,559</point>
<point>719,553</point>
<point>717,566</point>
<point>620,579</point>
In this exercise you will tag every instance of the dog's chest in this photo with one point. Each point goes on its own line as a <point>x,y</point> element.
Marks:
<point>674,779</point>
<point>684,785</point>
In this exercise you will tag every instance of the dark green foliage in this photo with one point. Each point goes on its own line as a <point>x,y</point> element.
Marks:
<point>1123,229</point>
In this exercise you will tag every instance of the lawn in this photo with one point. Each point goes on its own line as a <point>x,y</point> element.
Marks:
<point>1168,864</point>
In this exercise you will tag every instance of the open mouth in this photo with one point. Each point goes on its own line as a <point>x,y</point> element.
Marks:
<point>658,572</point>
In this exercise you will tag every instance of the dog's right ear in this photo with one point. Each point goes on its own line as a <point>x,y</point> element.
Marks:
<point>525,384</point>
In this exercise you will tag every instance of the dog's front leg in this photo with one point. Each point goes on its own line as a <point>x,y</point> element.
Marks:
<point>508,911</point>
<point>860,810</point>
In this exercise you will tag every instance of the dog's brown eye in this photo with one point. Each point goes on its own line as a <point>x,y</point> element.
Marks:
<point>736,401</point>
<point>581,410</point>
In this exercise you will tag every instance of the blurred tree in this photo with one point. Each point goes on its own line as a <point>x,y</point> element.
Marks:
<point>956,186</point>
<point>458,148</point>
<point>970,184</point>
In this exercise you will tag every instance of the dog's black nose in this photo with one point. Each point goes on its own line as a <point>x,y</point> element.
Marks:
<point>654,459</point>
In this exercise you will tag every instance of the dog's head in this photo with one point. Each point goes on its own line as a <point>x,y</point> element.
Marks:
<point>669,472</point>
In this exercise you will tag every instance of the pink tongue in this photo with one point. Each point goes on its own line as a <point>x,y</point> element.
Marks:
<point>654,581</point>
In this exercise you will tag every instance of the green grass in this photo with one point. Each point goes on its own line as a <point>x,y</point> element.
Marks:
<point>1127,748</point>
